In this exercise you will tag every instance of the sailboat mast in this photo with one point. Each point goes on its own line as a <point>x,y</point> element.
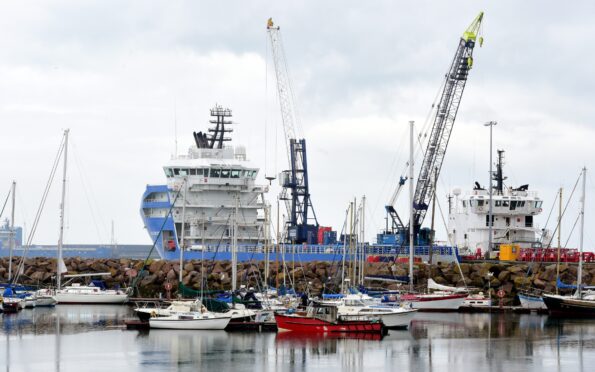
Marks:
<point>61,237</point>
<point>579,275</point>
<point>12,233</point>
<point>559,238</point>
<point>362,240</point>
<point>277,251</point>
<point>234,246</point>
<point>182,242</point>
<point>267,239</point>
<point>411,227</point>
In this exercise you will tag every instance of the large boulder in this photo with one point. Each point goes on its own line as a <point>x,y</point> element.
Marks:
<point>504,276</point>
<point>148,280</point>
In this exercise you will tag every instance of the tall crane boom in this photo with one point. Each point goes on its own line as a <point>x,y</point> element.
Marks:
<point>446,112</point>
<point>443,121</point>
<point>288,115</point>
<point>296,191</point>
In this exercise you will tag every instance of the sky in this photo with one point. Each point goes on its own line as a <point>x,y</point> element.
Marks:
<point>129,78</point>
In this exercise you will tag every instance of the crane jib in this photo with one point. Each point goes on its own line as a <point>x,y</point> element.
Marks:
<point>446,112</point>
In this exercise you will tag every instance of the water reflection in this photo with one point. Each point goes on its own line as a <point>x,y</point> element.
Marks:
<point>91,338</point>
<point>73,319</point>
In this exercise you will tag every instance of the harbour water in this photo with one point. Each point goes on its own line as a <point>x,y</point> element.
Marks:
<point>91,338</point>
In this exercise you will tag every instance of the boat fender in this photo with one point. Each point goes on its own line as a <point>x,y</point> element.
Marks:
<point>153,314</point>
<point>203,309</point>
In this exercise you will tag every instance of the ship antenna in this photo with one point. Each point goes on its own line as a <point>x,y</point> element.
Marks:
<point>175,128</point>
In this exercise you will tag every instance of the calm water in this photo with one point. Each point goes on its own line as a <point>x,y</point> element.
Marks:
<point>90,338</point>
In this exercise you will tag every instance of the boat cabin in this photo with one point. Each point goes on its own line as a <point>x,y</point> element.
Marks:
<point>323,312</point>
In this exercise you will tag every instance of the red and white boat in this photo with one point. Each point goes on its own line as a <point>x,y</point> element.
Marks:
<point>445,299</point>
<point>434,301</point>
<point>325,319</point>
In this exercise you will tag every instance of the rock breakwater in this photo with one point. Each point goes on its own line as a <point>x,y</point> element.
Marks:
<point>510,277</point>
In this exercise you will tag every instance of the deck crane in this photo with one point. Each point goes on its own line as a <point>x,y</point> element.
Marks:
<point>444,118</point>
<point>295,192</point>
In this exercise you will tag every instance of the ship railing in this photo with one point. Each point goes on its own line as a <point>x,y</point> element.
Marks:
<point>337,249</point>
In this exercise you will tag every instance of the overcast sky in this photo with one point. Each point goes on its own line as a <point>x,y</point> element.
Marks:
<point>117,73</point>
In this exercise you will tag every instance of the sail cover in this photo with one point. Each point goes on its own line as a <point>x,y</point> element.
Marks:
<point>433,285</point>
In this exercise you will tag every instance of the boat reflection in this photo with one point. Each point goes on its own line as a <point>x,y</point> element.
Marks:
<point>301,337</point>
<point>73,319</point>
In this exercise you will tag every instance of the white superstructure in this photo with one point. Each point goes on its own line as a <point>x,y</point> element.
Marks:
<point>216,189</point>
<point>513,211</point>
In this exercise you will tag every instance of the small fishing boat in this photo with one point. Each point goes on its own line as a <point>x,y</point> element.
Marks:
<point>195,320</point>
<point>321,318</point>
<point>476,300</point>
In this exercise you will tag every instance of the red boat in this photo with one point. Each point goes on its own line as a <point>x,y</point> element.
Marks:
<point>325,319</point>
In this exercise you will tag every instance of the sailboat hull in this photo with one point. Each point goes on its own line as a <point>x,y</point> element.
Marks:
<point>531,302</point>
<point>217,323</point>
<point>78,298</point>
<point>429,302</point>
<point>569,307</point>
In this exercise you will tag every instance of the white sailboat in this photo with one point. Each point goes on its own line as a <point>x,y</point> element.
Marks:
<point>438,301</point>
<point>582,302</point>
<point>195,320</point>
<point>76,293</point>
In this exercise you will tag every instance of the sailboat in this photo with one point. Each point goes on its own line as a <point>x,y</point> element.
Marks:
<point>76,293</point>
<point>439,301</point>
<point>9,301</point>
<point>582,302</point>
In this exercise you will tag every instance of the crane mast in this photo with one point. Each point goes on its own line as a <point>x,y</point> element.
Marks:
<point>444,119</point>
<point>295,192</point>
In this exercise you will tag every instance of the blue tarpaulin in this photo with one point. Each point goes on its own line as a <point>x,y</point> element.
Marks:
<point>559,284</point>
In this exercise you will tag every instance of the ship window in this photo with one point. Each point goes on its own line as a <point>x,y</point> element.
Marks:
<point>235,173</point>
<point>183,172</point>
<point>199,172</point>
<point>225,173</point>
<point>528,221</point>
<point>505,203</point>
<point>169,172</point>
<point>480,203</point>
<point>498,203</point>
<point>513,205</point>
<point>472,203</point>
<point>177,171</point>
<point>205,172</point>
<point>215,172</point>
<point>488,220</point>
<point>538,204</point>
<point>193,172</point>
<point>254,173</point>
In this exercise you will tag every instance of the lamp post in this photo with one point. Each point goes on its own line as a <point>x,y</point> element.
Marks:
<point>490,189</point>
